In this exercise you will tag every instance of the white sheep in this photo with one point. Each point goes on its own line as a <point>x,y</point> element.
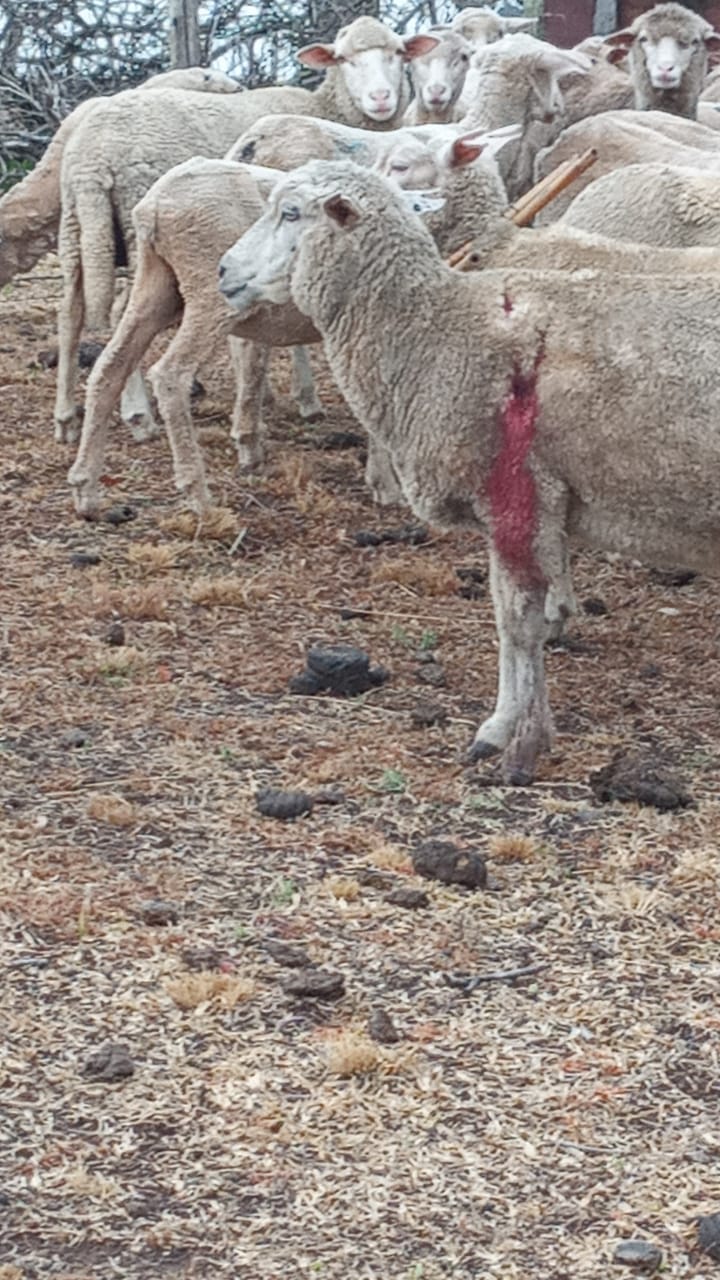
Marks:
<point>196,79</point>
<point>520,84</point>
<point>437,80</point>
<point>622,138</point>
<point>667,50</point>
<point>657,204</point>
<point>480,25</point>
<point>542,445</point>
<point>118,150</point>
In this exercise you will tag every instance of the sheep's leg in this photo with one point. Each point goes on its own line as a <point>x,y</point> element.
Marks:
<point>521,725</point>
<point>154,303</point>
<point>68,415</point>
<point>135,407</point>
<point>302,386</point>
<point>250,361</point>
<point>203,326</point>
<point>380,476</point>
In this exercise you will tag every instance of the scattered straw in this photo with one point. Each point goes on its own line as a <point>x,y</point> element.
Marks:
<point>191,990</point>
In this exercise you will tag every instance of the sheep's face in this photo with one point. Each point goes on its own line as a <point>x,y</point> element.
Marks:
<point>439,76</point>
<point>411,163</point>
<point>666,42</point>
<point>373,74</point>
<point>258,267</point>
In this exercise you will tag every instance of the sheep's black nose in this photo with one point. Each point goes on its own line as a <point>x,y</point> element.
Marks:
<point>221,271</point>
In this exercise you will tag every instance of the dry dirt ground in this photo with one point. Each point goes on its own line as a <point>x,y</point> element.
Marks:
<point>521,1130</point>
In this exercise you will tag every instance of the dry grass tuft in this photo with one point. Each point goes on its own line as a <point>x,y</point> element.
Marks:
<point>511,847</point>
<point>9,1272</point>
<point>343,887</point>
<point>225,590</point>
<point>117,662</point>
<point>352,1054</point>
<point>95,1186</point>
<point>113,809</point>
<point>152,557</point>
<point>388,857</point>
<point>190,990</point>
<point>141,603</point>
<point>218,524</point>
<point>425,577</point>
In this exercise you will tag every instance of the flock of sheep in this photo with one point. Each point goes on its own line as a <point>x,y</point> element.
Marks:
<point>564,390</point>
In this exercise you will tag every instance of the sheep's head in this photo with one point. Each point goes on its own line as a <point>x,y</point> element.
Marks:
<point>438,76</point>
<point>666,41</point>
<point>371,59</point>
<point>481,25</point>
<point>531,72</point>
<point>419,163</point>
<point>334,196</point>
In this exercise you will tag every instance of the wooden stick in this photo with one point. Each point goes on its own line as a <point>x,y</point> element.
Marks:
<point>528,206</point>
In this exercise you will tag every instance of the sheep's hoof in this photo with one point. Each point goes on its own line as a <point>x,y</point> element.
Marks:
<point>142,427</point>
<point>250,457</point>
<point>515,776</point>
<point>67,430</point>
<point>315,413</point>
<point>481,749</point>
<point>85,500</point>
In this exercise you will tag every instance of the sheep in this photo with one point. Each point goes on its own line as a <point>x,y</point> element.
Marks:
<point>437,79</point>
<point>196,79</point>
<point>520,83</point>
<point>622,138</point>
<point>481,25</point>
<point>657,203</point>
<point>667,50</point>
<point>542,445</point>
<point>125,143</point>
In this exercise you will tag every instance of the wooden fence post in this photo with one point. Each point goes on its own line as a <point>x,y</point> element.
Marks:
<point>184,34</point>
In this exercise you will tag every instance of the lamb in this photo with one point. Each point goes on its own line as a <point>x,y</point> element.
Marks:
<point>623,138</point>
<point>657,203</point>
<point>437,79</point>
<point>520,83</point>
<point>667,50</point>
<point>125,143</point>
<point>542,445</point>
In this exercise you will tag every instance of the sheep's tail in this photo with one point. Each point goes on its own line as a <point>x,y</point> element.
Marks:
<point>97,222</point>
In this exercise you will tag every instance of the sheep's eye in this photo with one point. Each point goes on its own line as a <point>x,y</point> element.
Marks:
<point>290,214</point>
<point>399,168</point>
<point>642,39</point>
<point>464,57</point>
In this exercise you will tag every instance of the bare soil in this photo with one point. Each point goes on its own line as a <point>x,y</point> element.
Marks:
<point>522,1126</point>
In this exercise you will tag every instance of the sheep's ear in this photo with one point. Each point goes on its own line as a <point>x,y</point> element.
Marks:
<point>712,44</point>
<point>614,56</point>
<point>317,55</point>
<point>463,152</point>
<point>565,62</point>
<point>342,211</point>
<point>416,46</point>
<point>621,40</point>
<point>517,24</point>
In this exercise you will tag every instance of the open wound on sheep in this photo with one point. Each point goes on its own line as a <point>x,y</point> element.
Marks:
<point>511,486</point>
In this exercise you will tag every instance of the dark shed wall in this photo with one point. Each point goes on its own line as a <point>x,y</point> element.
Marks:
<point>569,21</point>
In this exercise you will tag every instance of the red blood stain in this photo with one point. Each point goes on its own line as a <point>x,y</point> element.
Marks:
<point>511,485</point>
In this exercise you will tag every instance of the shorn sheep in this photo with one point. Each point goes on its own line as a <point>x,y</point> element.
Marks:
<point>542,445</point>
<point>120,147</point>
<point>667,50</point>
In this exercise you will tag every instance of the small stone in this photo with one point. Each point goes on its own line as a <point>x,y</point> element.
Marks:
<point>110,1062</point>
<point>340,440</point>
<point>640,778</point>
<point>650,671</point>
<point>48,358</point>
<point>595,607</point>
<point>202,958</point>
<point>442,860</point>
<point>306,683</point>
<point>120,514</point>
<point>672,577</point>
<point>157,911</point>
<point>372,878</point>
<point>472,582</point>
<point>638,1254</point>
<point>283,805</point>
<point>708,1229</point>
<point>410,899</point>
<point>342,668</point>
<point>320,984</point>
<point>73,738</point>
<point>84,559</point>
<point>88,352</point>
<point>289,957</point>
<point>381,1027</point>
<point>426,714</point>
<point>432,674</point>
<point>115,635</point>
